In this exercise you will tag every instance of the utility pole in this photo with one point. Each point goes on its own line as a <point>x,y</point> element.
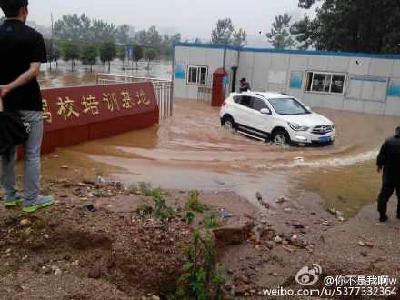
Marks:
<point>52,40</point>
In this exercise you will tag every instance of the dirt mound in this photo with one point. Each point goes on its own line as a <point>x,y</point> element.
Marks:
<point>67,252</point>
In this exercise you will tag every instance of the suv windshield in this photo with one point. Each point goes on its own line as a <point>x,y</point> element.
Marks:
<point>288,106</point>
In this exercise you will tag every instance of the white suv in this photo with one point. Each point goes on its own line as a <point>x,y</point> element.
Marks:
<point>276,117</point>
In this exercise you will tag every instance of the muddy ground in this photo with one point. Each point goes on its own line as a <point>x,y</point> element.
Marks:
<point>93,244</point>
<point>100,241</point>
<point>290,207</point>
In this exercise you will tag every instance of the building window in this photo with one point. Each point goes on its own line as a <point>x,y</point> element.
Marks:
<point>329,83</point>
<point>197,75</point>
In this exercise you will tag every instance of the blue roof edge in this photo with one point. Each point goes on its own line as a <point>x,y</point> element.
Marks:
<point>294,52</point>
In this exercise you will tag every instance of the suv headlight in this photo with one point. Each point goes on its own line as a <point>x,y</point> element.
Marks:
<point>297,127</point>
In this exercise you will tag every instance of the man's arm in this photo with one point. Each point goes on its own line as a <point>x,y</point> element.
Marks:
<point>380,161</point>
<point>32,73</point>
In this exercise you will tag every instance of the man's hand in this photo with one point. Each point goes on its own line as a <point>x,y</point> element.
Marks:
<point>4,90</point>
<point>32,73</point>
<point>379,169</point>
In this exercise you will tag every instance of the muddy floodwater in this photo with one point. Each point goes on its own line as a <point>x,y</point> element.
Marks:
<point>63,75</point>
<point>192,151</point>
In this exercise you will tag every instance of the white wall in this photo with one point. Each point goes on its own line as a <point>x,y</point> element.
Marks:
<point>366,83</point>
<point>212,58</point>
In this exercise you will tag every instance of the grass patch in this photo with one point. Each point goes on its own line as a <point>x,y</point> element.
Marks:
<point>146,188</point>
<point>161,210</point>
<point>202,279</point>
<point>193,203</point>
<point>211,221</point>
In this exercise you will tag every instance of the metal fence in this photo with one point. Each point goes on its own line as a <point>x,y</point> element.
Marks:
<point>163,89</point>
<point>204,92</point>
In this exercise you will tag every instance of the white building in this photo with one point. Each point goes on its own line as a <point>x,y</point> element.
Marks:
<point>344,81</point>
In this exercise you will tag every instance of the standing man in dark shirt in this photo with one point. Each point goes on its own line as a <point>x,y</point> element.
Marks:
<point>22,50</point>
<point>389,161</point>
<point>244,85</point>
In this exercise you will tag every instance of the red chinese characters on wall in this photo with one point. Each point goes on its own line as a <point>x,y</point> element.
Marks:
<point>79,105</point>
<point>74,115</point>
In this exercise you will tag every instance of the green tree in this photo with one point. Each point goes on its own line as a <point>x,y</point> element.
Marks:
<point>168,43</point>
<point>307,3</point>
<point>223,32</point>
<point>239,37</point>
<point>280,35</point>
<point>138,54</point>
<point>73,28</point>
<point>154,39</point>
<point>304,31</point>
<point>71,52</point>
<point>108,53</point>
<point>151,38</point>
<point>122,34</point>
<point>150,54</point>
<point>102,31</point>
<point>141,38</point>
<point>83,29</point>
<point>52,51</point>
<point>352,25</point>
<point>89,55</point>
<point>121,55</point>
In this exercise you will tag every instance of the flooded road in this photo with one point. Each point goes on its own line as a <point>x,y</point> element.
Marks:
<point>63,76</point>
<point>192,151</point>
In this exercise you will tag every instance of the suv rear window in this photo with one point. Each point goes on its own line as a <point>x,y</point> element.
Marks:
<point>244,100</point>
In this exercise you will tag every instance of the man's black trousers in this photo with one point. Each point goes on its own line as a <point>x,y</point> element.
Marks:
<point>391,183</point>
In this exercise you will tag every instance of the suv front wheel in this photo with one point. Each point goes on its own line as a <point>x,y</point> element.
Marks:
<point>280,137</point>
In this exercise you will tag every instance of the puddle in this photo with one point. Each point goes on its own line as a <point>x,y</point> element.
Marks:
<point>345,189</point>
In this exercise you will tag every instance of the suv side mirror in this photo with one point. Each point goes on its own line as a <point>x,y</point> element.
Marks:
<point>308,108</point>
<point>265,111</point>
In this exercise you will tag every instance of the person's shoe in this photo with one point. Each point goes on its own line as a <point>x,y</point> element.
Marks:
<point>383,218</point>
<point>13,201</point>
<point>39,203</point>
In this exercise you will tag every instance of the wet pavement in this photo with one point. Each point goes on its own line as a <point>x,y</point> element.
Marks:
<point>192,151</point>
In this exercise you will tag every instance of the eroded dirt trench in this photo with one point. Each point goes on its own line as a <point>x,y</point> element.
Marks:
<point>192,151</point>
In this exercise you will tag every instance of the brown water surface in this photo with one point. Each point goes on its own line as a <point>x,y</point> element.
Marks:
<point>192,151</point>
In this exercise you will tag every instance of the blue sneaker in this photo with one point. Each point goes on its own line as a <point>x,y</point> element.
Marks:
<point>39,203</point>
<point>13,201</point>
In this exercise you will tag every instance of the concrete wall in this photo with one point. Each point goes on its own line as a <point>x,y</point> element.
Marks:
<point>372,81</point>
<point>210,57</point>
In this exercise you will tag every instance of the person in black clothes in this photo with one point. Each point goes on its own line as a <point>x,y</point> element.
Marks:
<point>244,85</point>
<point>22,50</point>
<point>389,161</point>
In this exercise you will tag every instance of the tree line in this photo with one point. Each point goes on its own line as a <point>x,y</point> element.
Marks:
<point>81,38</point>
<point>338,25</point>
<point>341,25</point>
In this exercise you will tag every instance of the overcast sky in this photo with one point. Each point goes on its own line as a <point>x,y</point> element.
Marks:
<point>192,18</point>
